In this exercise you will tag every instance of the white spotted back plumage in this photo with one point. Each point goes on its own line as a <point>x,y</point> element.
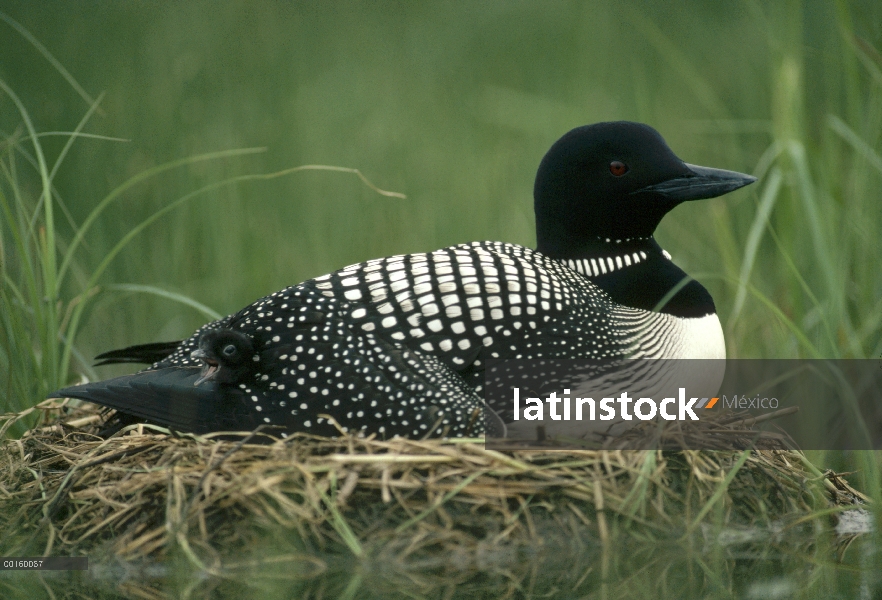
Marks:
<point>340,344</point>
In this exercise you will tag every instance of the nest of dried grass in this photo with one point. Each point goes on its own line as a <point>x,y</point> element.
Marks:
<point>146,494</point>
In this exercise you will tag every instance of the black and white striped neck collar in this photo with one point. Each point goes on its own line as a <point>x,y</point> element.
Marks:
<point>606,255</point>
<point>637,272</point>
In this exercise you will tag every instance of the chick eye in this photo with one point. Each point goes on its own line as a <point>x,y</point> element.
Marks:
<point>618,168</point>
<point>229,350</point>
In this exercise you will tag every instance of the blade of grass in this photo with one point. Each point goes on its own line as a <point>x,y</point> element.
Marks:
<point>796,331</point>
<point>338,522</point>
<point>783,253</point>
<point>754,236</point>
<point>808,194</point>
<point>636,498</point>
<point>854,140</point>
<point>718,493</point>
<point>14,143</point>
<point>156,291</point>
<point>71,138</point>
<point>49,331</point>
<point>49,57</point>
<point>438,502</point>
<point>61,155</point>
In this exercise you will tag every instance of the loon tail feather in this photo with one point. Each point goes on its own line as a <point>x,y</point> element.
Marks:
<point>139,354</point>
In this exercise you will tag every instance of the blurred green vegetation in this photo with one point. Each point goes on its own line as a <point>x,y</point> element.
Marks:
<point>452,104</point>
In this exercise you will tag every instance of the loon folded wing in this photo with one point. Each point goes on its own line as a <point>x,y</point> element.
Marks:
<point>167,397</point>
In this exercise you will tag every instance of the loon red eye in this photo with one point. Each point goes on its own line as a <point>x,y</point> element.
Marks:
<point>618,168</point>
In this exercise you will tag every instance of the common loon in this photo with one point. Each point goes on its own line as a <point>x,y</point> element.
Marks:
<point>398,345</point>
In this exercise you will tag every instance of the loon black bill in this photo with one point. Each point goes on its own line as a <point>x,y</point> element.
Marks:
<point>703,182</point>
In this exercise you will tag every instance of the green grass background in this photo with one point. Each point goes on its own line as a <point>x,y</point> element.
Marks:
<point>450,103</point>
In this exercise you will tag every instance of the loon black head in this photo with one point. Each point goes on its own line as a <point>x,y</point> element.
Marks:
<point>227,356</point>
<point>601,191</point>
<point>615,181</point>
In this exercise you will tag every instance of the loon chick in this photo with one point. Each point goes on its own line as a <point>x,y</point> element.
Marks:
<point>227,356</point>
<point>398,345</point>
